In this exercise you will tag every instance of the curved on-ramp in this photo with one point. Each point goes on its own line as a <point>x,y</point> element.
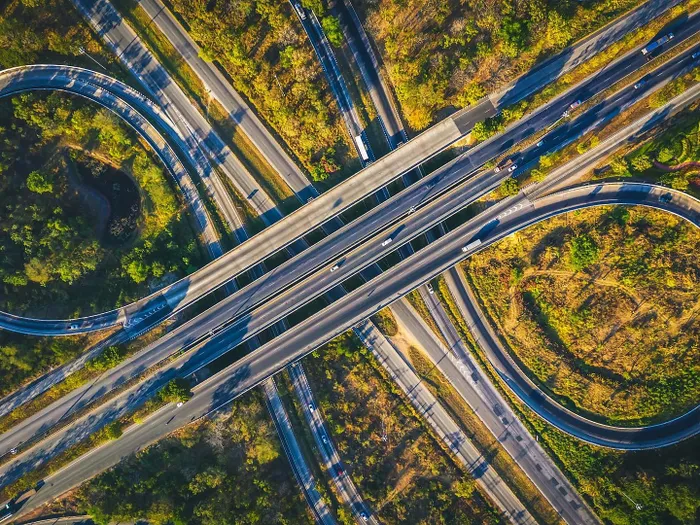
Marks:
<point>515,377</point>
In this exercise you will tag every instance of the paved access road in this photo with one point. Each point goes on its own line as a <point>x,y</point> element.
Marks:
<point>365,183</point>
<point>305,478</point>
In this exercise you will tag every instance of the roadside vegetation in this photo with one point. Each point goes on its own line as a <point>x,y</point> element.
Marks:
<point>89,220</point>
<point>229,469</point>
<point>400,469</point>
<point>49,32</point>
<point>453,54</point>
<point>269,60</point>
<point>601,307</point>
<point>662,481</point>
<point>672,158</point>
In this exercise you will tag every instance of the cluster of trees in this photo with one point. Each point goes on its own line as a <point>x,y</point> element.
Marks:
<point>49,31</point>
<point>384,444</point>
<point>227,470</point>
<point>264,49</point>
<point>454,52</point>
<point>48,242</point>
<point>49,237</point>
<point>600,310</point>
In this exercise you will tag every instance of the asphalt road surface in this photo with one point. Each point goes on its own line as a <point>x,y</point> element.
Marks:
<point>375,176</point>
<point>463,373</point>
<point>202,327</point>
<point>324,442</point>
<point>221,388</point>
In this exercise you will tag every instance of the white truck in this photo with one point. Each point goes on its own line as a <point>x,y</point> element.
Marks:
<point>469,247</point>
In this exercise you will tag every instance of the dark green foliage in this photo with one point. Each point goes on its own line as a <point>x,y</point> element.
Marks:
<point>331,26</point>
<point>584,252</point>
<point>176,390</point>
<point>229,470</point>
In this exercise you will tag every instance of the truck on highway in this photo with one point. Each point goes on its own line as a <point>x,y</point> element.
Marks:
<point>471,245</point>
<point>361,148</point>
<point>657,44</point>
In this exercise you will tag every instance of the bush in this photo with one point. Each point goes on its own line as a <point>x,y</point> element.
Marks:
<point>641,163</point>
<point>584,252</point>
<point>175,391</point>
<point>331,26</point>
<point>39,183</point>
<point>385,321</point>
<point>509,187</point>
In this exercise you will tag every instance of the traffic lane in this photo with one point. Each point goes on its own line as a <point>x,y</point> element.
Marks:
<point>330,455</point>
<point>369,68</point>
<point>442,423</point>
<point>445,252</point>
<point>450,206</point>
<point>296,459</point>
<point>582,51</point>
<point>492,409</point>
<point>308,335</point>
<point>688,28</point>
<point>238,110</point>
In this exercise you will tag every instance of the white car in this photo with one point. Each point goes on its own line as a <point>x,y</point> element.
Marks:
<point>300,10</point>
<point>334,267</point>
<point>74,327</point>
<point>324,439</point>
<point>430,288</point>
<point>512,168</point>
<point>540,143</point>
<point>179,404</point>
<point>387,242</point>
<point>497,169</point>
<point>311,407</point>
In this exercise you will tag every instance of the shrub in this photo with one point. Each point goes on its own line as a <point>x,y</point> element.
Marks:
<point>584,252</point>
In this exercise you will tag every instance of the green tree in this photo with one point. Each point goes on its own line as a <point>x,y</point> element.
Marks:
<point>331,26</point>
<point>39,183</point>
<point>176,390</point>
<point>137,270</point>
<point>509,187</point>
<point>641,163</point>
<point>584,252</point>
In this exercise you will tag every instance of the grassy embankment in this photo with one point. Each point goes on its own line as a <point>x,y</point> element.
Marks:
<point>604,476</point>
<point>400,469</point>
